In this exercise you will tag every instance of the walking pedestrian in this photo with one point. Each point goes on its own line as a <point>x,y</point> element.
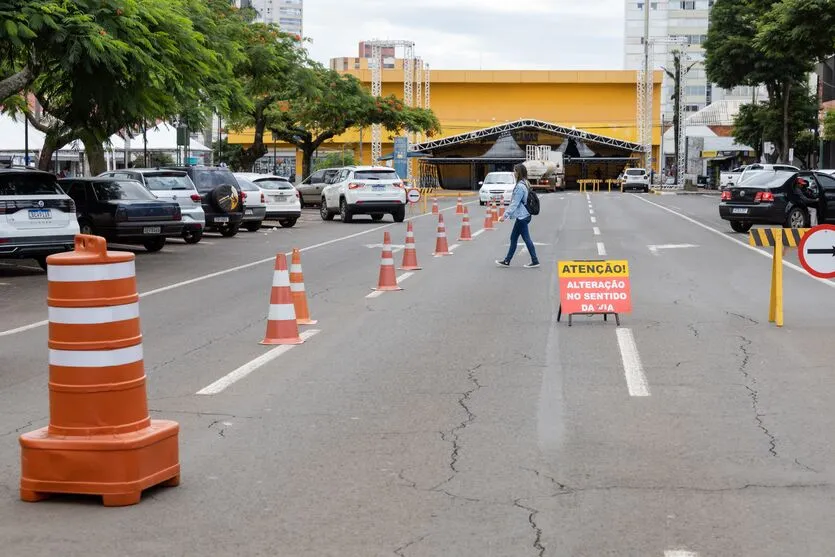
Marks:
<point>518,210</point>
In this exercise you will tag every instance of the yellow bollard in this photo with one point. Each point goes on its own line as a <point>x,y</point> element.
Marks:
<point>775,311</point>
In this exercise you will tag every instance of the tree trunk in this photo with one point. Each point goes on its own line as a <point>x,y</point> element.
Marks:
<point>45,160</point>
<point>307,159</point>
<point>16,83</point>
<point>94,151</point>
<point>257,149</point>
<point>784,155</point>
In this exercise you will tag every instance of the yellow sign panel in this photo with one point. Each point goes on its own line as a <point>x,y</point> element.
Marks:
<point>586,269</point>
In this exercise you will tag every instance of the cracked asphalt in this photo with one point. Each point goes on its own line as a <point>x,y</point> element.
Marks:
<point>458,418</point>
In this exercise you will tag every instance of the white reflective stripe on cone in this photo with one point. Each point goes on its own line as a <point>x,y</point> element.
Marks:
<point>281,278</point>
<point>95,358</point>
<point>93,316</point>
<point>91,273</point>
<point>387,261</point>
<point>442,235</point>
<point>295,268</point>
<point>282,312</point>
<point>296,287</point>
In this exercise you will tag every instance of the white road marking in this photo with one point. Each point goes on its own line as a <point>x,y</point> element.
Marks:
<point>594,220</point>
<point>270,259</point>
<point>394,247</point>
<point>596,231</point>
<point>601,249</point>
<point>477,233</point>
<point>721,234</point>
<point>591,211</point>
<point>633,369</point>
<point>654,249</point>
<point>375,294</point>
<point>453,247</point>
<point>680,553</point>
<point>403,277</point>
<point>226,381</point>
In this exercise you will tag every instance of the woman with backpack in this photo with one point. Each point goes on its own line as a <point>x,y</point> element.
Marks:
<point>522,199</point>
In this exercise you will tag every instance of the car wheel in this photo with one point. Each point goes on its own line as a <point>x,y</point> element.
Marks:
<point>253,226</point>
<point>345,213</point>
<point>377,217</point>
<point>324,212</point>
<point>228,230</point>
<point>85,227</point>
<point>192,236</point>
<point>797,218</point>
<point>481,203</point>
<point>741,227</point>
<point>154,244</point>
<point>646,189</point>
<point>41,259</point>
<point>399,215</point>
<point>288,223</point>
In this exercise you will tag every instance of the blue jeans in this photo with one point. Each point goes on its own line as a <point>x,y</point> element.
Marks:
<point>520,228</point>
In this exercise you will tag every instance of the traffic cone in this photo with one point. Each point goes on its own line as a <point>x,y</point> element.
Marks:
<point>465,228</point>
<point>410,253</point>
<point>459,208</point>
<point>441,246</point>
<point>281,321</point>
<point>501,210</point>
<point>100,439</point>
<point>495,212</point>
<point>388,280</point>
<point>435,210</point>
<point>488,219</point>
<point>297,288</point>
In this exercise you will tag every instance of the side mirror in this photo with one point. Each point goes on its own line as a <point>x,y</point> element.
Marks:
<point>481,183</point>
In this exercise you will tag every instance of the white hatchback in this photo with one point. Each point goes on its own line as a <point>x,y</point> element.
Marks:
<point>497,186</point>
<point>366,190</point>
<point>283,200</point>
<point>37,218</point>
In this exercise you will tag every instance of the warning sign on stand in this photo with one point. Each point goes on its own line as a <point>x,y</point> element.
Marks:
<point>594,287</point>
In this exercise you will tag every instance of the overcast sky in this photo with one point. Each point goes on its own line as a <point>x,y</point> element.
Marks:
<point>473,34</point>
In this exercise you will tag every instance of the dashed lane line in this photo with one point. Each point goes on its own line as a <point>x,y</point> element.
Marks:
<point>596,231</point>
<point>601,249</point>
<point>477,233</point>
<point>403,277</point>
<point>680,553</point>
<point>594,220</point>
<point>633,369</point>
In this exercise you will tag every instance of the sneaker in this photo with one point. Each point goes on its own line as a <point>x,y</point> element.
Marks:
<point>502,263</point>
<point>532,265</point>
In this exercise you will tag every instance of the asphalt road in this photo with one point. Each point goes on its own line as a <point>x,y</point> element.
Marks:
<point>457,417</point>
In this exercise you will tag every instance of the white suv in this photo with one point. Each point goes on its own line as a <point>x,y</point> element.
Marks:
<point>636,178</point>
<point>37,218</point>
<point>366,190</point>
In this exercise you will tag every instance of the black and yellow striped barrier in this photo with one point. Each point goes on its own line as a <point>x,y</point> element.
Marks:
<point>776,238</point>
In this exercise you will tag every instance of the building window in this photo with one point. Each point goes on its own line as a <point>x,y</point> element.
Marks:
<point>688,4</point>
<point>652,5</point>
<point>290,12</point>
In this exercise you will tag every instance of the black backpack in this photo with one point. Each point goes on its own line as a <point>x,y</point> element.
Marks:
<point>532,202</point>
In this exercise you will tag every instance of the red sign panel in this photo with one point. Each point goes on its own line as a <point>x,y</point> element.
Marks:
<point>594,287</point>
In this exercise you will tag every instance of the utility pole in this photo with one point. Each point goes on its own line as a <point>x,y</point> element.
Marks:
<point>647,78</point>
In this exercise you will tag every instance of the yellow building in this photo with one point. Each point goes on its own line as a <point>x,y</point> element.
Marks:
<point>602,104</point>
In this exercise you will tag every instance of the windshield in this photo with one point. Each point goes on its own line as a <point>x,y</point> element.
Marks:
<point>499,179</point>
<point>121,191</point>
<point>274,184</point>
<point>636,172</point>
<point>766,179</point>
<point>207,180</point>
<point>376,175</point>
<point>167,182</point>
<point>28,184</point>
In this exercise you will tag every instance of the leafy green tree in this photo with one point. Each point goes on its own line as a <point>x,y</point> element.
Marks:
<point>806,148</point>
<point>828,133</point>
<point>231,155</point>
<point>332,160</point>
<point>749,126</point>
<point>330,104</point>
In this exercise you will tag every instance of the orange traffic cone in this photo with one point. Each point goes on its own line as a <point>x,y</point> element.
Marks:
<point>281,321</point>
<point>488,219</point>
<point>410,253</point>
<point>435,210</point>
<point>297,288</point>
<point>495,212</point>
<point>465,228</point>
<point>501,210</point>
<point>100,439</point>
<point>459,208</point>
<point>441,246</point>
<point>388,279</point>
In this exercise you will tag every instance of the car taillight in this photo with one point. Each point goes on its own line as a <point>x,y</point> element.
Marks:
<point>263,198</point>
<point>243,195</point>
<point>121,214</point>
<point>355,186</point>
<point>726,195</point>
<point>7,207</point>
<point>764,196</point>
<point>71,206</point>
<point>400,185</point>
<point>298,195</point>
<point>195,198</point>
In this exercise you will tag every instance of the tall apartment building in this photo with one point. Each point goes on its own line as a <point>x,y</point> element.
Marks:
<point>287,14</point>
<point>676,18</point>
<point>361,62</point>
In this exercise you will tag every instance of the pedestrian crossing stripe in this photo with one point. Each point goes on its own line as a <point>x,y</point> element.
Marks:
<point>767,237</point>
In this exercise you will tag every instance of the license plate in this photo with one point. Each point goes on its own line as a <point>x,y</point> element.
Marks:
<point>281,198</point>
<point>497,197</point>
<point>40,214</point>
<point>739,211</point>
<point>378,187</point>
<point>248,212</point>
<point>222,219</point>
<point>151,230</point>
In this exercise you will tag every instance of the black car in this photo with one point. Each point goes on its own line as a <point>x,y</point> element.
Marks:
<point>123,211</point>
<point>220,195</point>
<point>781,197</point>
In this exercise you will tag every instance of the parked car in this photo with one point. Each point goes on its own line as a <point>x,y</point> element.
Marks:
<point>636,178</point>
<point>781,198</point>
<point>753,169</point>
<point>729,179</point>
<point>123,211</point>
<point>255,204</point>
<point>367,190</point>
<point>220,196</point>
<point>37,218</point>
<point>173,185</point>
<point>283,200</point>
<point>497,186</point>
<point>311,188</point>
<point>831,172</point>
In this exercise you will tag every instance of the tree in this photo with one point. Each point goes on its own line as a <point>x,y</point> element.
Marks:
<point>677,74</point>
<point>331,104</point>
<point>332,160</point>
<point>806,148</point>
<point>749,126</point>
<point>828,133</point>
<point>230,155</point>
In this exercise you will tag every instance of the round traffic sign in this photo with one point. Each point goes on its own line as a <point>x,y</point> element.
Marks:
<point>413,195</point>
<point>817,251</point>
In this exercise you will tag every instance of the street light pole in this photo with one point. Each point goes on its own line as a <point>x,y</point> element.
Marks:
<point>26,142</point>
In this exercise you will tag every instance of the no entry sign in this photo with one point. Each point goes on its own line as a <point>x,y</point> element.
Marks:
<point>413,195</point>
<point>817,251</point>
<point>594,287</point>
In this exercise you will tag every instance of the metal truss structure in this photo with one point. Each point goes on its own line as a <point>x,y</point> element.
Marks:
<point>539,125</point>
<point>681,162</point>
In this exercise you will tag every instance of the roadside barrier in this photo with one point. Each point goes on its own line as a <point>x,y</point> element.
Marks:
<point>100,439</point>
<point>586,183</point>
<point>388,280</point>
<point>466,233</point>
<point>459,208</point>
<point>298,290</point>
<point>613,182</point>
<point>282,327</point>
<point>776,238</point>
<point>410,262</point>
<point>441,245</point>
